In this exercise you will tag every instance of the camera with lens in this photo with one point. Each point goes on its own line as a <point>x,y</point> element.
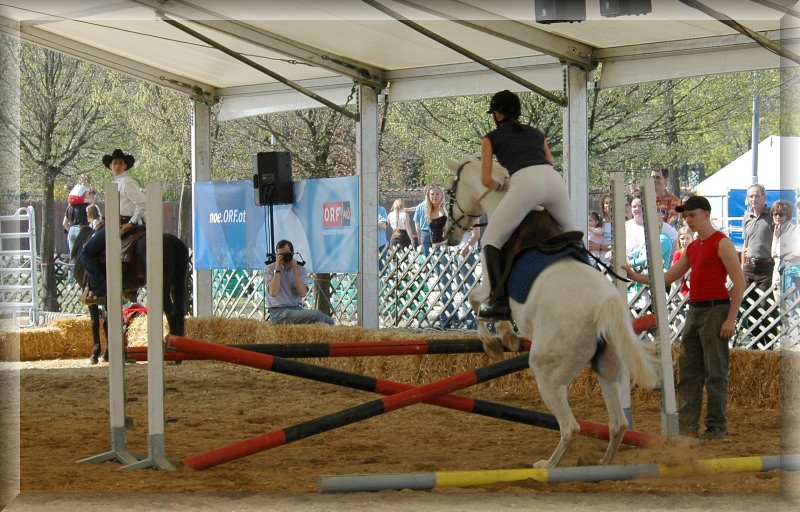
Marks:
<point>287,257</point>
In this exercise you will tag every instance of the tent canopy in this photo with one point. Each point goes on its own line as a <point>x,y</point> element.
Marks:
<point>739,173</point>
<point>327,45</point>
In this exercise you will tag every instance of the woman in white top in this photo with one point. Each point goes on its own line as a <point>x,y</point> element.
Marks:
<point>398,220</point>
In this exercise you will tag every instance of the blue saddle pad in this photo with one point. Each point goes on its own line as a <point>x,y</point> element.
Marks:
<point>530,263</point>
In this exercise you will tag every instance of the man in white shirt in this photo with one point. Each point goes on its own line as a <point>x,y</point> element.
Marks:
<point>132,209</point>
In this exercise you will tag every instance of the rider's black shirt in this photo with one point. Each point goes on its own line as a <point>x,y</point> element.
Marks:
<point>517,149</point>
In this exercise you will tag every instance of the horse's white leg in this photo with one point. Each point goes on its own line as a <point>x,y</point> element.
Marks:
<point>610,371</point>
<point>477,296</point>
<point>617,423</point>
<point>554,395</point>
<point>491,344</point>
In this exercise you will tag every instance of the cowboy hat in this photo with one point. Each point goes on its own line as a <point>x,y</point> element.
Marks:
<point>129,160</point>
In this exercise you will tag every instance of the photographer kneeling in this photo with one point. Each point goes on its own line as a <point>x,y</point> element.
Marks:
<point>286,284</point>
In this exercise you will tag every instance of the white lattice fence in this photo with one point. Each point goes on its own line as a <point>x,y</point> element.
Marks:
<point>428,292</point>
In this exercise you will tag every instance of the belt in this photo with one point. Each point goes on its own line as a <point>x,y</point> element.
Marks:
<point>124,219</point>
<point>755,261</point>
<point>709,303</point>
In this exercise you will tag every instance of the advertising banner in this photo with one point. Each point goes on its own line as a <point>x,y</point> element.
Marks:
<point>231,232</point>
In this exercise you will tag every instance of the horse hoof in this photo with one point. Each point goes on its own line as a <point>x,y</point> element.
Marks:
<point>92,360</point>
<point>103,359</point>
<point>508,337</point>
<point>493,349</point>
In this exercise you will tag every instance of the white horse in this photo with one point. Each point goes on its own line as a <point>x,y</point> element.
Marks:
<point>573,315</point>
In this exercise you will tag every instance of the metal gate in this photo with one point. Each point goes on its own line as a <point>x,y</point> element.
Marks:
<point>18,272</point>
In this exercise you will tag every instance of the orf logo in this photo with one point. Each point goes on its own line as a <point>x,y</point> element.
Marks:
<point>332,214</point>
<point>346,213</point>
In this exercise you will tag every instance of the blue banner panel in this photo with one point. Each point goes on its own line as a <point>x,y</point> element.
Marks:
<point>231,232</point>
<point>327,211</point>
<point>227,224</point>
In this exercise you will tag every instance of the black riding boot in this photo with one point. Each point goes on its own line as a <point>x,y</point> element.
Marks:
<point>495,307</point>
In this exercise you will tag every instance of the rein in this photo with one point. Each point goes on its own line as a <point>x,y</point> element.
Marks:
<point>606,267</point>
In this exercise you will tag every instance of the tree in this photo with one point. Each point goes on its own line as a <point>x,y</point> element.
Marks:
<point>321,142</point>
<point>9,116</point>
<point>696,123</point>
<point>62,122</point>
<point>159,121</point>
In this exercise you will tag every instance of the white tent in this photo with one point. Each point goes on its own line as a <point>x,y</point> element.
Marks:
<point>770,173</point>
<point>775,171</point>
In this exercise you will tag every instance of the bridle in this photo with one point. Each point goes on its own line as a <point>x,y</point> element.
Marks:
<point>465,213</point>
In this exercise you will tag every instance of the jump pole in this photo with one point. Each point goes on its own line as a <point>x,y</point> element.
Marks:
<point>427,481</point>
<point>116,353</point>
<point>346,348</point>
<point>365,348</point>
<point>156,419</point>
<point>388,387</point>
<point>346,416</point>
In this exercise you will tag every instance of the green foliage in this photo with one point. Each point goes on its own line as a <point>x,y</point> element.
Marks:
<point>62,118</point>
<point>158,125</point>
<point>320,140</point>
<point>73,113</point>
<point>702,123</point>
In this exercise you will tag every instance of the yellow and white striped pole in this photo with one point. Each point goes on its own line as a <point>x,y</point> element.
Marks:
<point>427,481</point>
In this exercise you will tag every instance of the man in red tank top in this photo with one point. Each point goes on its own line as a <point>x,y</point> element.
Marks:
<point>704,358</point>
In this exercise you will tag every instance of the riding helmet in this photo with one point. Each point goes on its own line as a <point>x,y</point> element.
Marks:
<point>505,102</point>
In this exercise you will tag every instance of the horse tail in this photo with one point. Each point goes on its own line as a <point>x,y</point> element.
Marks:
<point>613,321</point>
<point>180,276</point>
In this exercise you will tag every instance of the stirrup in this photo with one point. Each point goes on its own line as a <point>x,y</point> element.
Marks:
<point>494,311</point>
<point>90,299</point>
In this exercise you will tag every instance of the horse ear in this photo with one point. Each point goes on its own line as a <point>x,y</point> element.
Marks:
<point>450,163</point>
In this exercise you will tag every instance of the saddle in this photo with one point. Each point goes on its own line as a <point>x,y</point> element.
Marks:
<point>538,230</point>
<point>129,236</point>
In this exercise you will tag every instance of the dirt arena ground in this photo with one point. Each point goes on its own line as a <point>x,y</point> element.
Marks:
<point>64,417</point>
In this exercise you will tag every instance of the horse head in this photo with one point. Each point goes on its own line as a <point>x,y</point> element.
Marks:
<point>467,197</point>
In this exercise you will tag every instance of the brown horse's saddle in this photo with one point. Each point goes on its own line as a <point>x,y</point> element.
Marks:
<point>129,235</point>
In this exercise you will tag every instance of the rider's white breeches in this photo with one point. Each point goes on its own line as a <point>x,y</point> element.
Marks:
<point>538,185</point>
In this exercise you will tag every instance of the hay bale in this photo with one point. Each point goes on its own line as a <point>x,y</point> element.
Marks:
<point>63,338</point>
<point>9,342</point>
<point>755,376</point>
<point>754,380</point>
<point>136,333</point>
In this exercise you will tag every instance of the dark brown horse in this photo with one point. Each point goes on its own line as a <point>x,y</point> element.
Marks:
<point>134,277</point>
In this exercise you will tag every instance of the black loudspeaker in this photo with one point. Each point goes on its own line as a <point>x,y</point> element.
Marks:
<point>272,178</point>
<point>560,11</point>
<point>614,8</point>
